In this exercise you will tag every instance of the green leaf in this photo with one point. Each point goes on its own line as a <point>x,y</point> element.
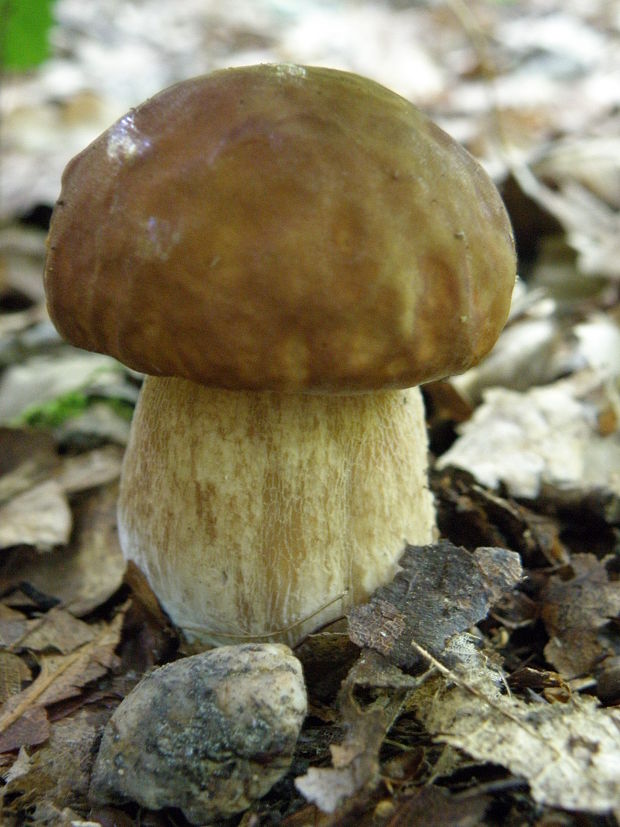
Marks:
<point>24,29</point>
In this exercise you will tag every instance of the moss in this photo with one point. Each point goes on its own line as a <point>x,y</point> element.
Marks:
<point>57,411</point>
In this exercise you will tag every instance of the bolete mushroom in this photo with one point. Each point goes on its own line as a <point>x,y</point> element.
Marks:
<point>286,252</point>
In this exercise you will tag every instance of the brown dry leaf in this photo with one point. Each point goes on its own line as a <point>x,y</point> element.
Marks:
<point>90,469</point>
<point>150,637</point>
<point>58,774</point>
<point>356,759</point>
<point>13,627</point>
<point>13,672</point>
<point>26,457</point>
<point>471,515</point>
<point>574,610</point>
<point>90,569</point>
<point>63,676</point>
<point>568,752</point>
<point>434,807</point>
<point>39,517</point>
<point>441,590</point>
<point>58,630</point>
<point>355,765</point>
<point>31,729</point>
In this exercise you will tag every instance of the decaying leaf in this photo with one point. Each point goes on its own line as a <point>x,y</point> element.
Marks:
<point>30,729</point>
<point>58,774</point>
<point>434,807</point>
<point>90,469</point>
<point>27,457</point>
<point>441,590</point>
<point>90,569</point>
<point>574,610</point>
<point>355,761</point>
<point>39,517</point>
<point>471,515</point>
<point>544,437</point>
<point>568,752</point>
<point>56,630</point>
<point>63,676</point>
<point>13,672</point>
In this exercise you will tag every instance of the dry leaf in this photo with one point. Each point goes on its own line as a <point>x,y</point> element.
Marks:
<point>574,610</point>
<point>355,765</point>
<point>19,767</point>
<point>58,630</point>
<point>547,437</point>
<point>30,729</point>
<point>356,759</point>
<point>434,807</point>
<point>90,469</point>
<point>90,569</point>
<point>568,752</point>
<point>441,590</point>
<point>58,774</point>
<point>13,672</point>
<point>27,457</point>
<point>469,514</point>
<point>12,629</point>
<point>63,676</point>
<point>592,226</point>
<point>39,517</point>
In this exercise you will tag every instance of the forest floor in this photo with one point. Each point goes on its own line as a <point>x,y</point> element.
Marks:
<point>506,711</point>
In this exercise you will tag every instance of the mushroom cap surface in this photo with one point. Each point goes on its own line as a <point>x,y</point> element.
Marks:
<point>280,227</point>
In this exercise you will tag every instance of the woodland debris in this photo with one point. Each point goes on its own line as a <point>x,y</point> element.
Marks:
<point>439,591</point>
<point>576,606</point>
<point>39,517</point>
<point>545,437</point>
<point>567,751</point>
<point>86,572</point>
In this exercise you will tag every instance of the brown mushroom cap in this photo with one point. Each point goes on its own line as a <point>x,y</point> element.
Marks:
<point>280,227</point>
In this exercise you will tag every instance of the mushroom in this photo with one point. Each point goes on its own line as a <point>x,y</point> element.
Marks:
<point>287,252</point>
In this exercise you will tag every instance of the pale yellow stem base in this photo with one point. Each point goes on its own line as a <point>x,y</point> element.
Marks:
<point>264,516</point>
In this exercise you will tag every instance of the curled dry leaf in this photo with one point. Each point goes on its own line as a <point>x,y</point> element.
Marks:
<point>471,515</point>
<point>574,610</point>
<point>441,590</point>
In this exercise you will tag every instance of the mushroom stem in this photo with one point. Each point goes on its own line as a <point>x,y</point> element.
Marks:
<point>266,515</point>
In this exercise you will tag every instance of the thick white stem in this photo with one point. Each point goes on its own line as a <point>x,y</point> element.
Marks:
<point>266,515</point>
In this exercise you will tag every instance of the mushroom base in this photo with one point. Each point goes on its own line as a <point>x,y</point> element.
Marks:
<point>264,516</point>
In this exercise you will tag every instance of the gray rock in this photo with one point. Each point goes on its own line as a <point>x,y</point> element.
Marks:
<point>207,734</point>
